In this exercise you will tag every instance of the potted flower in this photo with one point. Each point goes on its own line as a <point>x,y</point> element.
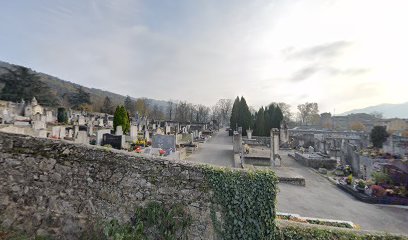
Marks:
<point>349,179</point>
<point>361,186</point>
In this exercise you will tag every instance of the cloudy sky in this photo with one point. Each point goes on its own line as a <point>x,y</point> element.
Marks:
<point>343,54</point>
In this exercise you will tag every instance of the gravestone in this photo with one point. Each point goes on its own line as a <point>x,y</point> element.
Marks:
<point>164,142</point>
<point>81,120</point>
<point>249,133</point>
<point>49,116</point>
<point>119,130</point>
<point>311,149</point>
<point>70,133</point>
<point>116,141</point>
<point>82,137</point>
<point>154,126</point>
<point>90,129</point>
<point>62,133</point>
<point>100,122</point>
<point>133,132</point>
<point>147,135</point>
<point>167,130</point>
<point>55,132</point>
<point>99,135</point>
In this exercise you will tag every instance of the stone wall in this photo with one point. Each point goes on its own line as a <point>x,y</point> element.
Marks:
<point>51,187</point>
<point>315,161</point>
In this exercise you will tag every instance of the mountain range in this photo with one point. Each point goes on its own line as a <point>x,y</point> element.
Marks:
<point>60,87</point>
<point>387,110</point>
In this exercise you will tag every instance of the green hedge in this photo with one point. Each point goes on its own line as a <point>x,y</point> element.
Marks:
<point>316,233</point>
<point>245,202</point>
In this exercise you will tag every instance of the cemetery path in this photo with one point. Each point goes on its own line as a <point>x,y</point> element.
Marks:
<point>322,199</point>
<point>216,151</point>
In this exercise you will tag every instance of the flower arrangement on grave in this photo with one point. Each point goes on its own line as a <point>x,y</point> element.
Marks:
<point>378,191</point>
<point>349,179</point>
<point>162,152</point>
<point>140,142</point>
<point>149,143</point>
<point>138,149</point>
<point>360,186</point>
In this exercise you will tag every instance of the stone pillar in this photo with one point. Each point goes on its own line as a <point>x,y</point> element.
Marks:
<point>237,142</point>
<point>76,130</point>
<point>275,160</point>
<point>249,133</point>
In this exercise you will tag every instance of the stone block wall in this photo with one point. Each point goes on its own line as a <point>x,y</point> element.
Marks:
<point>51,187</point>
<point>314,162</point>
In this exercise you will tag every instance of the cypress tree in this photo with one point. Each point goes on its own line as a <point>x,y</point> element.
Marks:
<point>234,114</point>
<point>121,118</point>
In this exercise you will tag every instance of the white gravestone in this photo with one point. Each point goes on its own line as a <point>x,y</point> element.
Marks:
<point>81,120</point>
<point>90,130</point>
<point>62,133</point>
<point>99,135</point>
<point>147,135</point>
<point>119,130</point>
<point>249,134</point>
<point>55,132</point>
<point>133,132</point>
<point>70,133</point>
<point>100,122</point>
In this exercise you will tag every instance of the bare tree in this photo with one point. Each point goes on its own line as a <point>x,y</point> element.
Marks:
<point>223,109</point>
<point>170,109</point>
<point>142,107</point>
<point>182,111</point>
<point>307,112</point>
<point>156,113</point>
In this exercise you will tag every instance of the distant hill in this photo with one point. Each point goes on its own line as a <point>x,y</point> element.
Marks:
<point>60,87</point>
<point>387,110</point>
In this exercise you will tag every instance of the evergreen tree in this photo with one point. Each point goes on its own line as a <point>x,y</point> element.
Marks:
<point>245,116</point>
<point>79,99</point>
<point>259,126</point>
<point>266,119</point>
<point>107,106</point>
<point>62,115</point>
<point>121,118</point>
<point>22,83</point>
<point>378,136</point>
<point>234,114</point>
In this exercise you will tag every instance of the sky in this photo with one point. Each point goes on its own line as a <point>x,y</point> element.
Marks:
<point>342,54</point>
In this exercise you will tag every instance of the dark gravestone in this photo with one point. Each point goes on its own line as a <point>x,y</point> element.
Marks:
<point>114,140</point>
<point>164,142</point>
<point>83,128</point>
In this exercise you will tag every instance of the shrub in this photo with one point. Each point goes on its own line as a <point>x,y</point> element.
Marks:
<point>361,184</point>
<point>380,177</point>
